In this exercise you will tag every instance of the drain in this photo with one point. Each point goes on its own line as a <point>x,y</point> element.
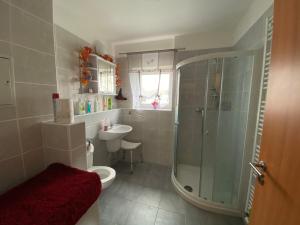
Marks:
<point>188,188</point>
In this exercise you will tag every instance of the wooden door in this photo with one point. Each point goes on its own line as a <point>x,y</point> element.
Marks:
<point>277,202</point>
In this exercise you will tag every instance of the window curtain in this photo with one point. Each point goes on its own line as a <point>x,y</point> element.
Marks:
<point>150,62</point>
<point>134,78</point>
<point>144,64</point>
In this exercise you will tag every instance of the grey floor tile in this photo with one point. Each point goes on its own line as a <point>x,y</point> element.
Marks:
<point>142,214</point>
<point>154,180</point>
<point>147,197</point>
<point>107,222</point>
<point>168,186</point>
<point>195,221</point>
<point>129,190</point>
<point>159,169</point>
<point>195,216</point>
<point>235,221</point>
<point>116,210</point>
<point>217,219</point>
<point>170,201</point>
<point>138,177</point>
<point>169,218</point>
<point>122,167</point>
<point>150,196</point>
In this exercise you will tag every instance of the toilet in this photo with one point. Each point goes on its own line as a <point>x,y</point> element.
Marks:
<point>107,174</point>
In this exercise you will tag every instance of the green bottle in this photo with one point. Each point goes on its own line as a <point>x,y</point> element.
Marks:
<point>109,103</point>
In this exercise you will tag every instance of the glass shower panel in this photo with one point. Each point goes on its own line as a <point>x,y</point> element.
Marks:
<point>192,90</point>
<point>214,78</point>
<point>231,131</point>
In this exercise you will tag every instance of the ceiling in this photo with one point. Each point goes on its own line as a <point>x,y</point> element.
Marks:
<point>124,20</point>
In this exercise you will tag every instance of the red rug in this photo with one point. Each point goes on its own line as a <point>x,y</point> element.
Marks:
<point>59,195</point>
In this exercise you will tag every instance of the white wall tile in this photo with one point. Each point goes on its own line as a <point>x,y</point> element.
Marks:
<point>32,66</point>
<point>4,21</point>
<point>40,8</point>
<point>9,140</point>
<point>56,136</point>
<point>30,32</point>
<point>57,156</point>
<point>33,162</point>
<point>34,100</point>
<point>79,159</point>
<point>11,173</point>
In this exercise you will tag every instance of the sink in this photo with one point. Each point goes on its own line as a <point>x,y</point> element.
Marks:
<point>114,135</point>
<point>116,131</point>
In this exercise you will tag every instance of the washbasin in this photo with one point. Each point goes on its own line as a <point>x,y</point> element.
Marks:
<point>117,131</point>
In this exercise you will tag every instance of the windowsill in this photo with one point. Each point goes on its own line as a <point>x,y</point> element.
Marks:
<point>148,109</point>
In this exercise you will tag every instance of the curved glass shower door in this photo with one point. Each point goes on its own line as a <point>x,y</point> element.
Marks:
<point>190,112</point>
<point>212,115</point>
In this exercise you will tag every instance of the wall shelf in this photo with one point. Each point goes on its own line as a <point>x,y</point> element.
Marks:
<point>94,113</point>
<point>103,77</point>
<point>103,60</point>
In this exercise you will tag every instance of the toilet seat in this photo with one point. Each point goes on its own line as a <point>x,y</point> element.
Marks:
<point>107,174</point>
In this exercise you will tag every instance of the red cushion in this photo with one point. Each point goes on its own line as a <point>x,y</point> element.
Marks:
<point>59,195</point>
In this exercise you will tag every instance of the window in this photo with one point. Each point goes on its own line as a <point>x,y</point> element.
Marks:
<point>151,80</point>
<point>152,87</point>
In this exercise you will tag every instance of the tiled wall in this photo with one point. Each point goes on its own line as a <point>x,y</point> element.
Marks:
<point>65,143</point>
<point>67,48</point>
<point>155,130</point>
<point>26,36</point>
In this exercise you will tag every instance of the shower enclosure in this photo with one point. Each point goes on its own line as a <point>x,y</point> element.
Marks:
<point>211,116</point>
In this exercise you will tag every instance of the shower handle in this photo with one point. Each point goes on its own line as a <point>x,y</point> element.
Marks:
<point>202,111</point>
<point>199,109</point>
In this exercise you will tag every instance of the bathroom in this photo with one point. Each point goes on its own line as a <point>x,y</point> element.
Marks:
<point>144,117</point>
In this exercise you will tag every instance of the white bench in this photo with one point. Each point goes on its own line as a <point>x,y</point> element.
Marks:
<point>131,146</point>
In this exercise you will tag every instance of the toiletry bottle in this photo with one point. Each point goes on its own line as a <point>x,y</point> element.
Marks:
<point>104,125</point>
<point>109,103</point>
<point>92,105</point>
<point>100,103</point>
<point>55,97</point>
<point>96,104</point>
<point>104,103</point>
<point>76,106</point>
<point>88,106</point>
<point>81,107</point>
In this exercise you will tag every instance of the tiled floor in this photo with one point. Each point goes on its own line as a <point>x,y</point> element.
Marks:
<point>148,198</point>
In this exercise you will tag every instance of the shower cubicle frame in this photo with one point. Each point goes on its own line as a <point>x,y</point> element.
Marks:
<point>197,200</point>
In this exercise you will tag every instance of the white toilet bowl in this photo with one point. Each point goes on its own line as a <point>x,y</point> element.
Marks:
<point>106,174</point>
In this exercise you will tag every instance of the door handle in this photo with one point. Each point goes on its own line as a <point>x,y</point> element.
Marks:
<point>259,169</point>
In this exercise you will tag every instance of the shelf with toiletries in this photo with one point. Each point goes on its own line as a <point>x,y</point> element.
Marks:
<point>88,104</point>
<point>102,76</point>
